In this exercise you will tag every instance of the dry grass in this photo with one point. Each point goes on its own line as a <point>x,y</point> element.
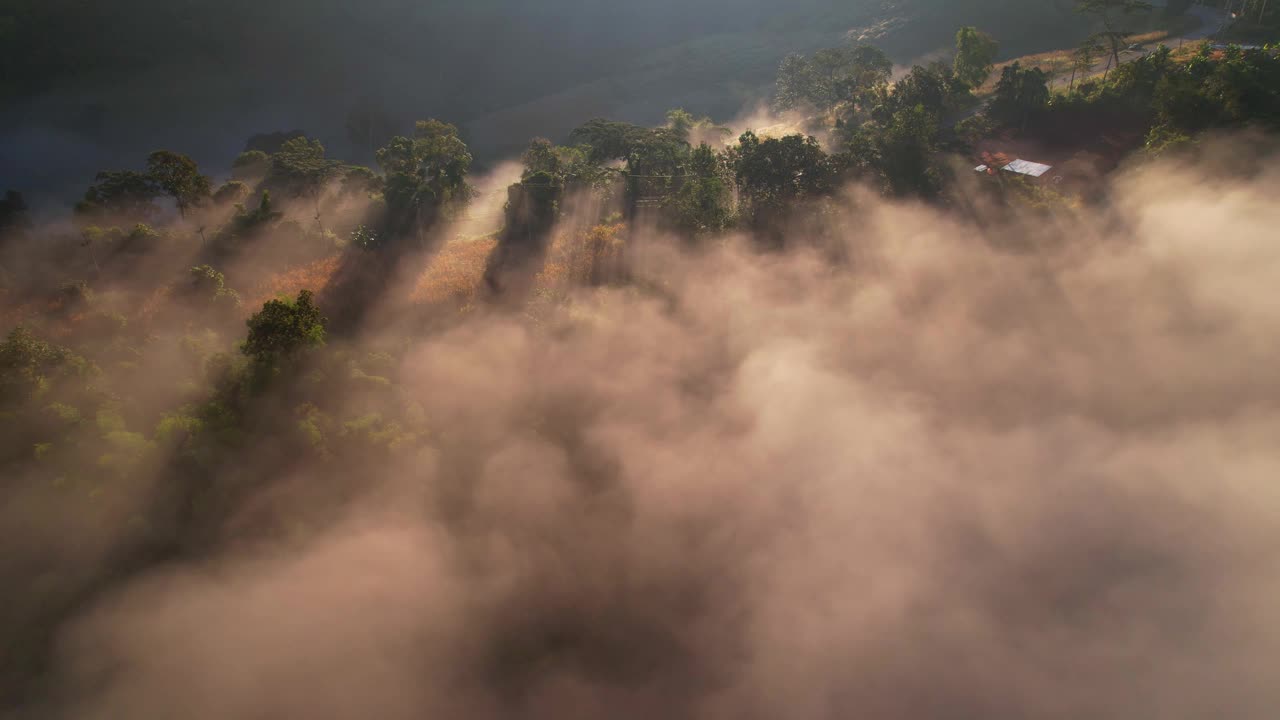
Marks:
<point>455,273</point>
<point>1057,63</point>
<point>314,276</point>
<point>587,259</point>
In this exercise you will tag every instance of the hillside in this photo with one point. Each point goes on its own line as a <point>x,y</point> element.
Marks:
<point>669,418</point>
<point>125,78</point>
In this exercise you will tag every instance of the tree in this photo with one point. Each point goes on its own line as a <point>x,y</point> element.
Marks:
<point>211,286</point>
<point>1109,14</point>
<point>26,362</point>
<point>774,175</point>
<point>1019,93</point>
<point>608,139</point>
<point>936,89</point>
<point>900,152</point>
<point>283,329</point>
<point>656,159</point>
<point>425,175</point>
<point>179,177</point>
<point>251,165</point>
<point>975,56</point>
<point>684,125</point>
<point>832,76</point>
<point>301,169</point>
<point>126,193</point>
<point>703,203</point>
<point>795,82</point>
<point>231,192</point>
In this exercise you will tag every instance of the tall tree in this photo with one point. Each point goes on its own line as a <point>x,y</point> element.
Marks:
<point>179,177</point>
<point>283,328</point>
<point>125,193</point>
<point>832,76</point>
<point>775,175</point>
<point>301,169</point>
<point>975,56</point>
<point>425,175</point>
<point>1019,93</point>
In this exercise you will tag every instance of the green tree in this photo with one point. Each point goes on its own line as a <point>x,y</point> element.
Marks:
<point>283,329</point>
<point>683,124</point>
<point>251,165</point>
<point>704,203</point>
<point>975,56</point>
<point>300,169</point>
<point>425,176</point>
<point>179,177</point>
<point>900,152</point>
<point>832,76</point>
<point>1020,93</point>
<point>231,192</point>
<point>795,84</point>
<point>28,364</point>
<point>211,286</point>
<point>775,175</point>
<point>124,193</point>
<point>936,89</point>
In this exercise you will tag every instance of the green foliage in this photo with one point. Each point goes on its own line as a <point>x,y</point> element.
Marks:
<point>211,286</point>
<point>251,165</point>
<point>704,203</point>
<point>232,192</point>
<point>28,364</point>
<point>935,89</point>
<point>776,175</point>
<point>1021,93</point>
<point>283,329</point>
<point>300,168</point>
<point>179,177</point>
<point>900,152</point>
<point>656,159</point>
<point>246,223</point>
<point>425,175</point>
<point>124,193</point>
<point>685,126</point>
<point>975,56</point>
<point>1240,87</point>
<point>832,76</point>
<point>358,180</point>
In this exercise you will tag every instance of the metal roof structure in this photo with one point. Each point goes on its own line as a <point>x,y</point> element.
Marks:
<point>980,168</point>
<point>1026,167</point>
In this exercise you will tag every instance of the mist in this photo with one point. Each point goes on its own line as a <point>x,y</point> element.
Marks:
<point>989,465</point>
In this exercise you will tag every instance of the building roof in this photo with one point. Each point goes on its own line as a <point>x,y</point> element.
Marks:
<point>980,168</point>
<point>1026,167</point>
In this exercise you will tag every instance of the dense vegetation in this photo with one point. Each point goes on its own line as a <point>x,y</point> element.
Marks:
<point>133,354</point>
